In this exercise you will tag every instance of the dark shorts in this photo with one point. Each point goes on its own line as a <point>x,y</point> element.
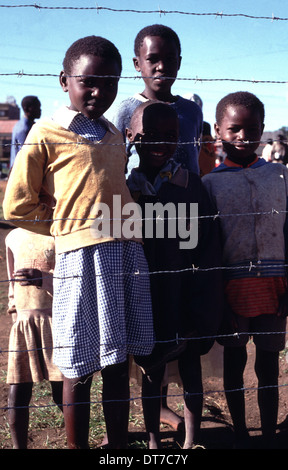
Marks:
<point>268,333</point>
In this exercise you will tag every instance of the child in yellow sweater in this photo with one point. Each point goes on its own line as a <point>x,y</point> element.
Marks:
<point>59,185</point>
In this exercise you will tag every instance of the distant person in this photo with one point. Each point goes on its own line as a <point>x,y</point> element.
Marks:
<point>254,255</point>
<point>157,51</point>
<point>207,154</point>
<point>30,260</point>
<point>280,150</point>
<point>267,150</point>
<point>32,110</point>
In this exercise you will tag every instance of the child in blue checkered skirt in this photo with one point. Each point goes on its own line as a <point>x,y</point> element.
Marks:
<point>70,182</point>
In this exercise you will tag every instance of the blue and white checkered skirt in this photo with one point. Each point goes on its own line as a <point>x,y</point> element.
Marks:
<point>101,307</point>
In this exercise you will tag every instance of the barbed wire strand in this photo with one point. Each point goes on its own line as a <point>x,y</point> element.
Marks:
<point>21,74</point>
<point>136,398</point>
<point>159,11</point>
<point>177,339</point>
<point>249,267</point>
<point>214,216</point>
<point>195,142</point>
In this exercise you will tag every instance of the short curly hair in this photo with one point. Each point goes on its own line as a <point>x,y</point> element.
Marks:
<point>154,107</point>
<point>91,45</point>
<point>28,101</point>
<point>239,98</point>
<point>156,30</point>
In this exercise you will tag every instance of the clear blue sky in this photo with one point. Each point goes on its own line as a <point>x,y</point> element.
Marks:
<point>237,48</point>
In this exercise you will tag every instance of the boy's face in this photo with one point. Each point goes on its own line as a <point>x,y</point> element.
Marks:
<point>158,58</point>
<point>153,127</point>
<point>34,111</point>
<point>91,96</point>
<point>240,131</point>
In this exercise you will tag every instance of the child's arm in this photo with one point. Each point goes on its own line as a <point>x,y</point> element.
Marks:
<point>26,203</point>
<point>10,268</point>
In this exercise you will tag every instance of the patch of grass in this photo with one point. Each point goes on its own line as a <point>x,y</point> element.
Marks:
<point>3,298</point>
<point>97,420</point>
<point>47,415</point>
<point>5,436</point>
<point>138,445</point>
<point>3,375</point>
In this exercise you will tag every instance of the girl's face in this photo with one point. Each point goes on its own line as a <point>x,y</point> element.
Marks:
<point>240,131</point>
<point>91,95</point>
<point>158,58</point>
<point>158,134</point>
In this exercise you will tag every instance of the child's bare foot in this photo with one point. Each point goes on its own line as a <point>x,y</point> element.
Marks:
<point>105,440</point>
<point>154,441</point>
<point>169,417</point>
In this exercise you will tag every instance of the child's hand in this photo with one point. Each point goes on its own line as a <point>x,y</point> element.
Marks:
<point>28,277</point>
<point>283,306</point>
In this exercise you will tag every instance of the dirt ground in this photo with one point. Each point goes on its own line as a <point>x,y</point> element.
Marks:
<point>216,431</point>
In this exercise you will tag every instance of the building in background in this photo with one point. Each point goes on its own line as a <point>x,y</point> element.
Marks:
<point>9,115</point>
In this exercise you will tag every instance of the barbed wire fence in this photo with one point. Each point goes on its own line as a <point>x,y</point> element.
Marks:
<point>251,264</point>
<point>159,11</point>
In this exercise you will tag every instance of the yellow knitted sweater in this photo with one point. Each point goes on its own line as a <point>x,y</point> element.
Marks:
<point>59,178</point>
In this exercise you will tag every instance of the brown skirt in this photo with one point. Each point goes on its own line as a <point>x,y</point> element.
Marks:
<point>30,357</point>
